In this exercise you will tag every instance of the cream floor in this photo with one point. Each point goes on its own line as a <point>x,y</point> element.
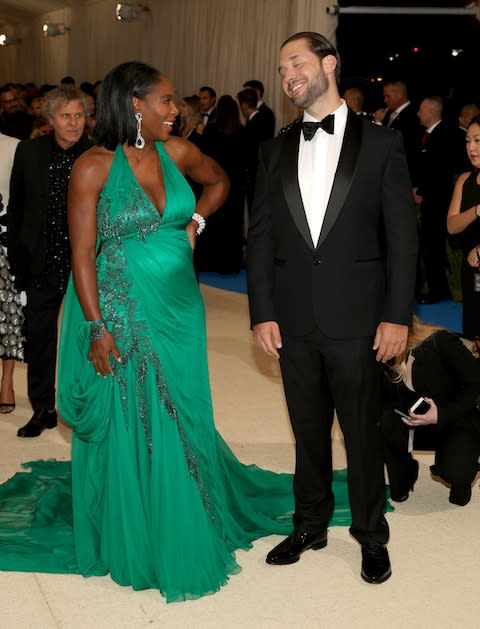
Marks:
<point>434,546</point>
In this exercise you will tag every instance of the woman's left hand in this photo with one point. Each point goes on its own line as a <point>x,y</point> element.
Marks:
<point>430,417</point>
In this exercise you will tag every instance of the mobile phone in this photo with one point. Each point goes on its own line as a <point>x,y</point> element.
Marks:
<point>420,407</point>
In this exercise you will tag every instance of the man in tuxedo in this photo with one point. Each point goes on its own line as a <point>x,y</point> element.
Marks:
<point>400,114</point>
<point>208,98</point>
<point>440,157</point>
<point>266,115</point>
<point>355,99</point>
<point>38,245</point>
<point>256,131</point>
<point>331,262</point>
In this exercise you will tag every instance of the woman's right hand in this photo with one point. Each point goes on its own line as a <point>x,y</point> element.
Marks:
<point>473,257</point>
<point>99,354</point>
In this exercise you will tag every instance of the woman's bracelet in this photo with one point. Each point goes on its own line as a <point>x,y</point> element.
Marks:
<point>198,218</point>
<point>98,329</point>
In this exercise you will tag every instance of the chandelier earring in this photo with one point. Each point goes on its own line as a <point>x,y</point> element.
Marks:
<point>139,141</point>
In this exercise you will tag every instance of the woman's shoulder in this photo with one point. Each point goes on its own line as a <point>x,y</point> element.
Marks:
<point>94,165</point>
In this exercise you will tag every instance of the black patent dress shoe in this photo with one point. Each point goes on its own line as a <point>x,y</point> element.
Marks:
<point>375,563</point>
<point>37,424</point>
<point>402,494</point>
<point>294,545</point>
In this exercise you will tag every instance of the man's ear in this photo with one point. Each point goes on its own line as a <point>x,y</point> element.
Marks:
<point>329,63</point>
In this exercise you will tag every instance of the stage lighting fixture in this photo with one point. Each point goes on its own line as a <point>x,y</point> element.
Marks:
<point>127,12</point>
<point>53,30</point>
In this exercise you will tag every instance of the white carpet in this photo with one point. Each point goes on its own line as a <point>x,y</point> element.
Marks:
<point>434,546</point>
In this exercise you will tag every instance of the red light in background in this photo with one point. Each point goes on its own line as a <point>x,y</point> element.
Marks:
<point>415,49</point>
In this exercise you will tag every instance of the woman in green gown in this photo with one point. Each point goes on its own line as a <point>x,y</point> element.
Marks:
<point>159,500</point>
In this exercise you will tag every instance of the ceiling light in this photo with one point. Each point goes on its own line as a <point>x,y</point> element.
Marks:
<point>127,12</point>
<point>53,30</point>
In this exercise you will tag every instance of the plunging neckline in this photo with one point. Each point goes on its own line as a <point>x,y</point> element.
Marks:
<point>161,213</point>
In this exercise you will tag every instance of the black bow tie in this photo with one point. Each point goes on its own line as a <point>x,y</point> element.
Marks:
<point>310,128</point>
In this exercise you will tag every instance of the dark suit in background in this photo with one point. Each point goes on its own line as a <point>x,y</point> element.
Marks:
<point>33,257</point>
<point>268,120</point>
<point>439,158</point>
<point>407,123</point>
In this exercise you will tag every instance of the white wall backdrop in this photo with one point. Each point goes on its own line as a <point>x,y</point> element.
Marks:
<point>221,43</point>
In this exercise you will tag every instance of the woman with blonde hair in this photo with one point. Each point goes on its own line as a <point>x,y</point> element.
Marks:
<point>438,367</point>
<point>191,124</point>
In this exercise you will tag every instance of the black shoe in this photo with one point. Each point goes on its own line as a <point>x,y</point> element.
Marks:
<point>294,545</point>
<point>402,495</point>
<point>375,563</point>
<point>37,424</point>
<point>460,494</point>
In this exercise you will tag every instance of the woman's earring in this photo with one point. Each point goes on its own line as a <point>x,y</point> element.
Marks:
<point>139,141</point>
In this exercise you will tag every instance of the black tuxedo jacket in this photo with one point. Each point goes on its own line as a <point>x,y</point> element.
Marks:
<point>27,207</point>
<point>407,122</point>
<point>362,270</point>
<point>439,159</point>
<point>267,117</point>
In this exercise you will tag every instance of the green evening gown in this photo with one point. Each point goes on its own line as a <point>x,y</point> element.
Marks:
<point>153,495</point>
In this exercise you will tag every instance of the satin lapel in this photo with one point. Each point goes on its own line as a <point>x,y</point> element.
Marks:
<point>344,174</point>
<point>291,188</point>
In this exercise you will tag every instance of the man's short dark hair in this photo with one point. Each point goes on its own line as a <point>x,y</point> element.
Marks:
<point>67,80</point>
<point>248,97</point>
<point>256,85</point>
<point>210,90</point>
<point>319,45</point>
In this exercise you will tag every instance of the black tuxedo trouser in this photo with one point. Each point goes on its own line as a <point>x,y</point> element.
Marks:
<point>44,300</point>
<point>320,375</point>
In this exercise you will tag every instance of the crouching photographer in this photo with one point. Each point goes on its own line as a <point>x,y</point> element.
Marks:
<point>432,399</point>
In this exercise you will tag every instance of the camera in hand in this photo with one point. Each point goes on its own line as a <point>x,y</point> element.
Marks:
<point>420,407</point>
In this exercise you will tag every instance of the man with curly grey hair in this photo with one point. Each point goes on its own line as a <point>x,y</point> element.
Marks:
<point>38,243</point>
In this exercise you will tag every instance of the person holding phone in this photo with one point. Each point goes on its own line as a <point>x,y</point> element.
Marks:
<point>433,389</point>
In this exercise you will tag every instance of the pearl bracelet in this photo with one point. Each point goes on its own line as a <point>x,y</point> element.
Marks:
<point>97,330</point>
<point>198,218</point>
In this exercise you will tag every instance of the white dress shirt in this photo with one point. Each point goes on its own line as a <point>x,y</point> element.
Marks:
<point>317,165</point>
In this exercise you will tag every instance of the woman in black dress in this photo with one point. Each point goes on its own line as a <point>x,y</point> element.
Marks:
<point>464,218</point>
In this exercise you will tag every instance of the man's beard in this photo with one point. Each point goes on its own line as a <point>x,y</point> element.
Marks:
<point>317,87</point>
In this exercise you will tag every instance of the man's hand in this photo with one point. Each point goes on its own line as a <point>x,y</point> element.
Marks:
<point>390,340</point>
<point>379,115</point>
<point>267,336</point>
